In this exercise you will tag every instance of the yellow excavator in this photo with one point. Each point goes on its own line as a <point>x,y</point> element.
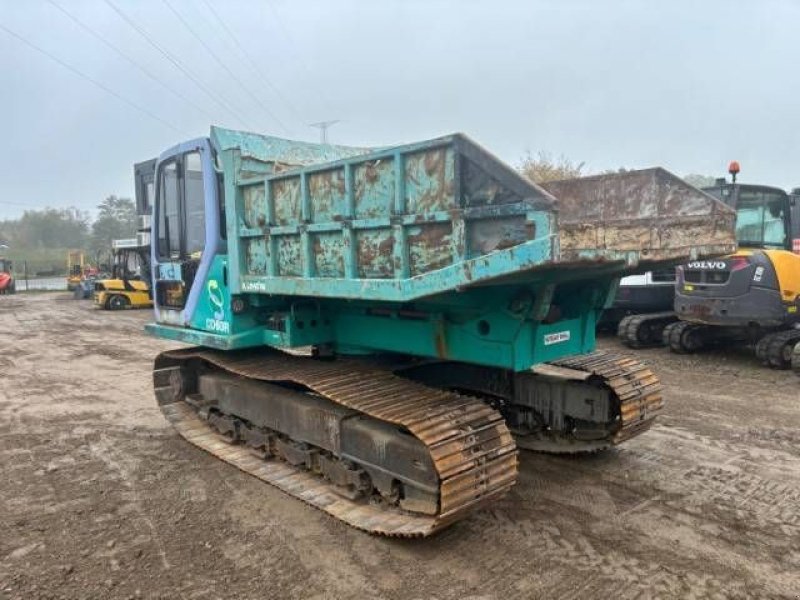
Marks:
<point>129,286</point>
<point>752,296</point>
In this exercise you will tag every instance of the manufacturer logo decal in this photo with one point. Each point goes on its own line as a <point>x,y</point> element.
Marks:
<point>759,274</point>
<point>556,338</point>
<point>216,301</point>
<point>707,264</point>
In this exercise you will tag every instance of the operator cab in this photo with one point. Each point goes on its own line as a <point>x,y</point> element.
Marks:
<point>187,228</point>
<point>763,213</point>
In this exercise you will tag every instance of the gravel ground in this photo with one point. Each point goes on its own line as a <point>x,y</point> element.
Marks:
<point>101,499</point>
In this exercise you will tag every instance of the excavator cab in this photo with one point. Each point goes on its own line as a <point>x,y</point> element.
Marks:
<point>794,211</point>
<point>187,231</point>
<point>763,214</point>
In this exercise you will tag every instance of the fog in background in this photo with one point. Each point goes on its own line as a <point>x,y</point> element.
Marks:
<point>685,85</point>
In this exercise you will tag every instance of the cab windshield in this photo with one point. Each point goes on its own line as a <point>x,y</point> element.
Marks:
<point>761,219</point>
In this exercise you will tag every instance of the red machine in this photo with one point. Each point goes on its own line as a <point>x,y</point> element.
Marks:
<point>7,284</point>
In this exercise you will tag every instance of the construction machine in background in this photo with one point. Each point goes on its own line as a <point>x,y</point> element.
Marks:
<point>77,268</point>
<point>7,283</point>
<point>645,295</point>
<point>752,296</point>
<point>129,284</point>
<point>647,325</point>
<point>377,332</point>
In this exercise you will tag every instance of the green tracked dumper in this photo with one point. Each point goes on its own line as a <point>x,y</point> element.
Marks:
<point>377,332</point>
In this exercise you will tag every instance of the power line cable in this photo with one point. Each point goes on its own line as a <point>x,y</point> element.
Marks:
<point>90,79</point>
<point>176,63</point>
<point>285,32</point>
<point>150,75</point>
<point>225,67</point>
<point>253,64</point>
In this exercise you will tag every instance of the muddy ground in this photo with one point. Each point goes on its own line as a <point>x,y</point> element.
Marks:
<point>100,499</point>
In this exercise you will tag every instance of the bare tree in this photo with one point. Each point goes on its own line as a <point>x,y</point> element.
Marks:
<point>699,181</point>
<point>542,167</point>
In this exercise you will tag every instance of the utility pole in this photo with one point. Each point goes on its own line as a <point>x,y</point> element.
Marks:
<point>323,129</point>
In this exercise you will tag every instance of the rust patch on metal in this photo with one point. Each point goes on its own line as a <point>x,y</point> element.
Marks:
<point>429,247</point>
<point>429,179</point>
<point>327,193</point>
<point>288,204</point>
<point>375,254</point>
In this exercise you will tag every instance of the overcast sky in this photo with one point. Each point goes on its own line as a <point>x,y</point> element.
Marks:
<point>685,85</point>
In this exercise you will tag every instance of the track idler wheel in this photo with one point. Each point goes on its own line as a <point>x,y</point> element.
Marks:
<point>683,337</point>
<point>796,359</point>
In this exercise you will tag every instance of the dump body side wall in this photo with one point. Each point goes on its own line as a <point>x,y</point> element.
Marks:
<point>389,225</point>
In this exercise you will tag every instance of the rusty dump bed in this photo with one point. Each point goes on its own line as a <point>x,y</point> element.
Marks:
<point>650,213</point>
<point>401,223</point>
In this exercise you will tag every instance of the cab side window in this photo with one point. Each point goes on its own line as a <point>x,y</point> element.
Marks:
<point>194,201</point>
<point>169,225</point>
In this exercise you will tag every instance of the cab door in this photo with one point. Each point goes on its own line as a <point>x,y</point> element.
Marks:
<point>185,229</point>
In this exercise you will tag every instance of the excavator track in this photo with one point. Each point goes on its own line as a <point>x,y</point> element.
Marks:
<point>473,452</point>
<point>776,349</point>
<point>646,330</point>
<point>685,337</point>
<point>796,359</point>
<point>633,385</point>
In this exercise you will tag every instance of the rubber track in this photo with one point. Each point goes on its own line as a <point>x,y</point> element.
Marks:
<point>770,348</point>
<point>673,336</point>
<point>470,445</point>
<point>628,328</point>
<point>634,384</point>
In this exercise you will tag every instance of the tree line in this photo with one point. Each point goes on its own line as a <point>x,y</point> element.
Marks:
<point>40,237</point>
<point>71,228</point>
